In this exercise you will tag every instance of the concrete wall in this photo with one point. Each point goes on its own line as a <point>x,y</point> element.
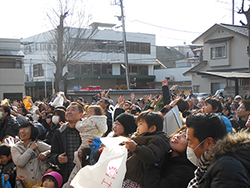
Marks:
<point>11,79</point>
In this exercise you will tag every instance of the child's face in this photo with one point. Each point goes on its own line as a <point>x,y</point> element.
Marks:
<point>48,183</point>
<point>142,127</point>
<point>207,108</point>
<point>4,159</point>
<point>90,112</point>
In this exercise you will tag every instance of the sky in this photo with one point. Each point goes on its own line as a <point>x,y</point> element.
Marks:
<point>174,22</point>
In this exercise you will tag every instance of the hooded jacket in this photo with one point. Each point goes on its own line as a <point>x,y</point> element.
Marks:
<point>230,163</point>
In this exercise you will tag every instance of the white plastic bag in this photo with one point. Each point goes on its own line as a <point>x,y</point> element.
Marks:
<point>58,101</point>
<point>110,169</point>
<point>172,121</point>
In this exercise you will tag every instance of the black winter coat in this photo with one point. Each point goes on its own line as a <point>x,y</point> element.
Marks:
<point>58,146</point>
<point>8,126</point>
<point>151,148</point>
<point>231,166</point>
<point>175,172</point>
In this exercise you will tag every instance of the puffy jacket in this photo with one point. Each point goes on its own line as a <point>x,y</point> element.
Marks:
<point>230,165</point>
<point>151,148</point>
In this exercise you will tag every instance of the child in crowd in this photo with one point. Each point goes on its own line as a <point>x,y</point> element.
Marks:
<point>52,180</point>
<point>93,125</point>
<point>149,146</point>
<point>213,105</point>
<point>27,184</point>
<point>8,168</point>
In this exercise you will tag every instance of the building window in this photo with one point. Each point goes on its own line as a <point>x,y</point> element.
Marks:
<point>245,82</point>
<point>135,70</point>
<point>219,51</point>
<point>11,63</point>
<point>38,70</point>
<point>109,46</point>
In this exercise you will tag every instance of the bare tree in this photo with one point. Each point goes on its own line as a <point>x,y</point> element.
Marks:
<point>70,40</point>
<point>247,14</point>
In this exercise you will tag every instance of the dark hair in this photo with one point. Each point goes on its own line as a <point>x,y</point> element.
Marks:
<point>6,109</point>
<point>79,106</point>
<point>151,118</point>
<point>4,150</point>
<point>51,178</point>
<point>34,130</point>
<point>214,103</point>
<point>61,113</point>
<point>25,111</point>
<point>246,103</point>
<point>183,107</point>
<point>207,125</point>
<point>106,101</point>
<point>97,108</point>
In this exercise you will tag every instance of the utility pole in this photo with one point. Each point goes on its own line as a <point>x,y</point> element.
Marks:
<point>232,12</point>
<point>247,14</point>
<point>125,46</point>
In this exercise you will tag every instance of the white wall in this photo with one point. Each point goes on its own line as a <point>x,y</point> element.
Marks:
<point>160,74</point>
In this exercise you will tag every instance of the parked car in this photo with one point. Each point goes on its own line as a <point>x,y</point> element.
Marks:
<point>200,95</point>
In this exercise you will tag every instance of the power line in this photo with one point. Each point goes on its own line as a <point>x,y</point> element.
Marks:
<point>165,27</point>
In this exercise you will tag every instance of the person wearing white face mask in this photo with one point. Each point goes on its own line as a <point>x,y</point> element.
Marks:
<point>203,131</point>
<point>58,119</point>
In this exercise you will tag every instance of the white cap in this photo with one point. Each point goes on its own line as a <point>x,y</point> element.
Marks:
<point>237,97</point>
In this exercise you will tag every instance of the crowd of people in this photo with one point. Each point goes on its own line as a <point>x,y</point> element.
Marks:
<point>46,143</point>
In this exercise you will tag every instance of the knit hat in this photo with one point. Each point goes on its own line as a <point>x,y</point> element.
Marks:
<point>128,122</point>
<point>56,177</point>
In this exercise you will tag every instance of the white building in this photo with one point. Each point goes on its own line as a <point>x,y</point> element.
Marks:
<point>11,69</point>
<point>225,61</point>
<point>102,64</point>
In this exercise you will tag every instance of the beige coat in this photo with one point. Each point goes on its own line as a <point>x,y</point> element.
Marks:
<point>26,161</point>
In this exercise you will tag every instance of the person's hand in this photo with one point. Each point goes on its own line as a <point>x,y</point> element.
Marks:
<point>103,93</point>
<point>164,82</point>
<point>90,141</point>
<point>248,122</point>
<point>33,146</point>
<point>6,177</point>
<point>107,94</point>
<point>18,178</point>
<point>43,114</point>
<point>130,145</point>
<point>146,98</point>
<point>168,107</point>
<point>62,158</point>
<point>12,112</point>
<point>120,99</point>
<point>80,153</point>
<point>155,100</point>
<point>132,96</point>
<point>17,139</point>
<point>41,156</point>
<point>61,123</point>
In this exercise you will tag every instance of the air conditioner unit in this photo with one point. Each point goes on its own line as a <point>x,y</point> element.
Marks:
<point>170,77</point>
